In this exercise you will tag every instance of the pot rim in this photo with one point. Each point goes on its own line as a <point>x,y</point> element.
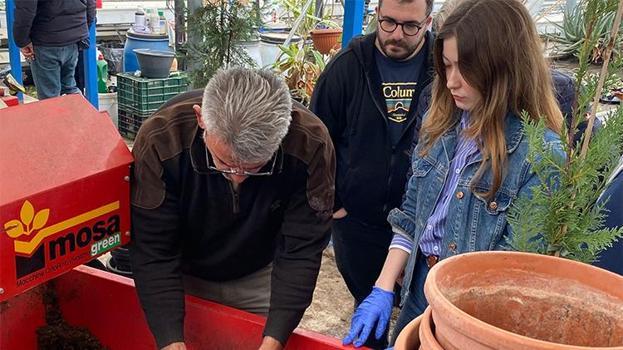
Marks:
<point>154,53</point>
<point>413,325</point>
<point>428,323</point>
<point>326,31</point>
<point>441,305</point>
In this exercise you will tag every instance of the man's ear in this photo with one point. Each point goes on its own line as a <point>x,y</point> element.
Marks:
<point>197,110</point>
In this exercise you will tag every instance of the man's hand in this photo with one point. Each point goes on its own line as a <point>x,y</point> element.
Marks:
<point>340,213</point>
<point>28,51</point>
<point>373,312</point>
<point>270,343</point>
<point>175,346</point>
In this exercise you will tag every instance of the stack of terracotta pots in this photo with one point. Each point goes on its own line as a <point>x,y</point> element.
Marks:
<point>510,300</point>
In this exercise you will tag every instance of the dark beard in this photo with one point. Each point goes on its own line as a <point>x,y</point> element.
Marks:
<point>409,50</point>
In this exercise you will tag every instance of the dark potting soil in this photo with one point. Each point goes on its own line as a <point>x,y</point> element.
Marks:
<point>57,334</point>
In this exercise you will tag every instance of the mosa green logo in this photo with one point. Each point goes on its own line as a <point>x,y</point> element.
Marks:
<point>62,238</point>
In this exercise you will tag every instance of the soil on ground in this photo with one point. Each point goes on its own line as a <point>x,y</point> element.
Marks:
<point>332,306</point>
<point>57,334</point>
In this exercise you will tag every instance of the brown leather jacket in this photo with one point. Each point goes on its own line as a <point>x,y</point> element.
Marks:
<point>187,219</point>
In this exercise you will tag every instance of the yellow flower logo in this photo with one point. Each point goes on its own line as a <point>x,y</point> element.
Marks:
<point>28,221</point>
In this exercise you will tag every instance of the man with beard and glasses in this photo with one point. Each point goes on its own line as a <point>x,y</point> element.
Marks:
<point>367,97</point>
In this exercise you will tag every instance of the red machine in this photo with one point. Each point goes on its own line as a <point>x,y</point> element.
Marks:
<point>64,190</point>
<point>107,305</point>
<point>64,200</point>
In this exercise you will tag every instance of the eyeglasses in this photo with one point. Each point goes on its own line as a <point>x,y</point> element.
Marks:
<point>239,171</point>
<point>389,25</point>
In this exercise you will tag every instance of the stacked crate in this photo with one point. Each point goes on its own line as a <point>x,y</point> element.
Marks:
<point>140,97</point>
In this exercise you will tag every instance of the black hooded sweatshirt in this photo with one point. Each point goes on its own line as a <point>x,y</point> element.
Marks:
<point>371,172</point>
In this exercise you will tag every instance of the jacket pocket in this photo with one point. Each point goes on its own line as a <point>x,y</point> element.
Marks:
<point>422,166</point>
<point>493,219</point>
<point>497,205</point>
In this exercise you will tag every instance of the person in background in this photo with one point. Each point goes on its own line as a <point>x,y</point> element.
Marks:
<point>471,160</point>
<point>79,73</point>
<point>440,16</point>
<point>49,34</point>
<point>612,258</point>
<point>232,197</point>
<point>367,97</point>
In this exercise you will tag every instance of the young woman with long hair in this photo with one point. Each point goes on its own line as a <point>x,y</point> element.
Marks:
<point>471,160</point>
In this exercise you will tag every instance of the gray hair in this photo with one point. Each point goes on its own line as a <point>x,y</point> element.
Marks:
<point>249,110</point>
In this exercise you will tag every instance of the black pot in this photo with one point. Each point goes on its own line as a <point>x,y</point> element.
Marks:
<point>119,262</point>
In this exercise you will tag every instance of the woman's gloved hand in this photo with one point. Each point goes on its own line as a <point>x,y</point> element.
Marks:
<point>374,311</point>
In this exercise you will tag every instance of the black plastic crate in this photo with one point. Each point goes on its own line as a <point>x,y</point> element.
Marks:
<point>143,95</point>
<point>129,122</point>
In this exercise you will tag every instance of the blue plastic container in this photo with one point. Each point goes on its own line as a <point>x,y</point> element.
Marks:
<point>141,41</point>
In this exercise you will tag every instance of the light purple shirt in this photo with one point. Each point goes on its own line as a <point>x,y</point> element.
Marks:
<point>430,240</point>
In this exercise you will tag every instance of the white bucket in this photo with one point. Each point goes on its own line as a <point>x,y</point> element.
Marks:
<point>108,103</point>
<point>269,46</point>
<point>252,49</point>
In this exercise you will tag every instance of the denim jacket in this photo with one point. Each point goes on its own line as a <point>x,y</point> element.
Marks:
<point>472,223</point>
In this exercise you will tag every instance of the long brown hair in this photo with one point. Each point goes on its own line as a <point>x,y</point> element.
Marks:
<point>500,55</point>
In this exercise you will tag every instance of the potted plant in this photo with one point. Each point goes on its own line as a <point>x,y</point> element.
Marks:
<point>313,16</point>
<point>546,296</point>
<point>571,33</point>
<point>326,39</point>
<point>325,34</point>
<point>301,65</point>
<point>566,222</point>
<point>217,33</point>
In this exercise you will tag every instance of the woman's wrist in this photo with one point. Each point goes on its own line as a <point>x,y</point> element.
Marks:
<point>385,284</point>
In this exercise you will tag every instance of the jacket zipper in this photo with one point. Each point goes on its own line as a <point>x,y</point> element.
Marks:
<point>393,149</point>
<point>235,197</point>
<point>376,102</point>
<point>389,180</point>
<point>392,159</point>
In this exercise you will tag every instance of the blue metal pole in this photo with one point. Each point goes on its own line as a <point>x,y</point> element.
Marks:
<point>14,53</point>
<point>353,20</point>
<point>90,69</point>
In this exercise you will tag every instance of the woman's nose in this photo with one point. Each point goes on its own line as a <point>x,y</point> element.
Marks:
<point>453,79</point>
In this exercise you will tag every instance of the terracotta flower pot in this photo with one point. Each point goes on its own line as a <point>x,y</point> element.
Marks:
<point>427,332</point>
<point>326,39</point>
<point>409,337</point>
<point>418,334</point>
<point>510,300</point>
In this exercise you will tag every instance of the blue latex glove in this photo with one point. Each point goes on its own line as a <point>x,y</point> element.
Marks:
<point>374,311</point>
